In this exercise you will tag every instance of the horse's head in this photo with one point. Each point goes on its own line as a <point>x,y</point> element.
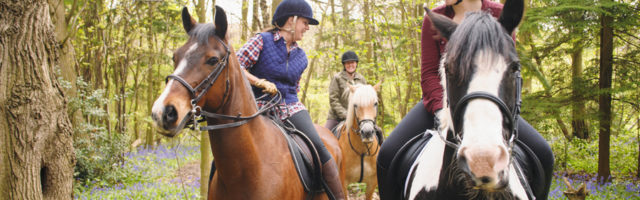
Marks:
<point>363,108</point>
<point>199,81</point>
<point>481,77</point>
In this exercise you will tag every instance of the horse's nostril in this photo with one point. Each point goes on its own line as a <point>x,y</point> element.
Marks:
<point>170,115</point>
<point>485,179</point>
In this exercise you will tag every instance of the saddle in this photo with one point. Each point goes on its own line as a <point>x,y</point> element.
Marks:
<point>523,157</point>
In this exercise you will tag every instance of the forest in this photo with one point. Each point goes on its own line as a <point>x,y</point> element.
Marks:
<point>78,80</point>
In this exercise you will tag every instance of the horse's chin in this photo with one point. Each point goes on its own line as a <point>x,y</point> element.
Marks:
<point>367,140</point>
<point>169,133</point>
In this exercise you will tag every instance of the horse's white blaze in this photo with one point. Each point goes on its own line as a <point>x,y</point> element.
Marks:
<point>517,189</point>
<point>481,126</point>
<point>182,65</point>
<point>427,174</point>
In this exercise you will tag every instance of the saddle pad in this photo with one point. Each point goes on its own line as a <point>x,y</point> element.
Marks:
<point>308,173</point>
<point>405,158</point>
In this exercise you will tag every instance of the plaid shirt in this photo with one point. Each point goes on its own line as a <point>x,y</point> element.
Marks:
<point>249,54</point>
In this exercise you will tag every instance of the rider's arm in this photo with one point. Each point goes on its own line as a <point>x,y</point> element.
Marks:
<point>335,95</point>
<point>248,55</point>
<point>430,77</point>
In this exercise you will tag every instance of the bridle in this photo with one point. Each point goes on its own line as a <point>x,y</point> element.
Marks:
<point>196,114</point>
<point>360,123</point>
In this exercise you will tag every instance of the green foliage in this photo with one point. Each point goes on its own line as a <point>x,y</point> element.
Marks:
<point>581,156</point>
<point>99,153</point>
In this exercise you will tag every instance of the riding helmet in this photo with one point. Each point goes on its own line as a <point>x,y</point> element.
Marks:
<point>288,8</point>
<point>349,56</point>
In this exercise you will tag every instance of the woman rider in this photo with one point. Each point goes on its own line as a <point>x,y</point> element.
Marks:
<point>274,62</point>
<point>422,116</point>
<point>338,98</point>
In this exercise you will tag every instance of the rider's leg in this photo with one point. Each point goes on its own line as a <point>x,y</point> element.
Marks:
<point>415,122</point>
<point>530,137</point>
<point>331,123</point>
<point>302,121</point>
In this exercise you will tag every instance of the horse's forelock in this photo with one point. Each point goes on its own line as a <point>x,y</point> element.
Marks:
<point>202,32</point>
<point>363,95</point>
<point>479,31</point>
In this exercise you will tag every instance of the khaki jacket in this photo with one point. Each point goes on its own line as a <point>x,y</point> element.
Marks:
<point>339,94</point>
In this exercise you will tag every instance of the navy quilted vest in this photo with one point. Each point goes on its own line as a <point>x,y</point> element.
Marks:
<point>279,68</point>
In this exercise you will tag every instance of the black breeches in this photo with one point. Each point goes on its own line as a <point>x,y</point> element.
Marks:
<point>302,121</point>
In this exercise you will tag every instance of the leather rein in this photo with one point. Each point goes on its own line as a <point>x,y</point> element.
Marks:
<point>197,115</point>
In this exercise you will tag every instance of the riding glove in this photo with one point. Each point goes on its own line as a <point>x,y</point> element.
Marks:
<point>267,86</point>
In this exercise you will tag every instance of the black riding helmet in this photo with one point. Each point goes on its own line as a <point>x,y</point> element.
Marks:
<point>288,8</point>
<point>349,56</point>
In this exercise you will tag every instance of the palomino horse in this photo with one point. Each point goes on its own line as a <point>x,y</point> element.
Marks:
<point>481,79</point>
<point>252,157</point>
<point>357,138</point>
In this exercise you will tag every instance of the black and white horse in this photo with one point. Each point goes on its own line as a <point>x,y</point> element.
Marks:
<point>471,157</point>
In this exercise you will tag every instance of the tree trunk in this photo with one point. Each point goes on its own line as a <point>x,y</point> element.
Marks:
<point>345,23</point>
<point>245,24</point>
<point>580,129</point>
<point>255,23</point>
<point>266,18</point>
<point>205,147</point>
<point>36,150</point>
<point>606,70</point>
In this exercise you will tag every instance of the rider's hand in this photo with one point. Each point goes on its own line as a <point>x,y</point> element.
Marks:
<point>267,86</point>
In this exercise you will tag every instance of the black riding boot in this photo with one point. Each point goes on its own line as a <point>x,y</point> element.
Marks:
<point>332,177</point>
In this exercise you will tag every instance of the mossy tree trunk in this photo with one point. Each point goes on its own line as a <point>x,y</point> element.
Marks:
<point>36,150</point>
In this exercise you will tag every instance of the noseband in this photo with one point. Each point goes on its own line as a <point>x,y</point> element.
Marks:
<point>196,114</point>
<point>511,115</point>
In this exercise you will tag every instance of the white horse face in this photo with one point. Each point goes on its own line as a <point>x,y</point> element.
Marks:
<point>363,109</point>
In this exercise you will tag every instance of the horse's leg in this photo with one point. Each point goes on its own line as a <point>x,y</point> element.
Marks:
<point>429,168</point>
<point>372,183</point>
<point>371,178</point>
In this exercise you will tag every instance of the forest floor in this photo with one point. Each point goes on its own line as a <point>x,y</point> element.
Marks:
<point>174,173</point>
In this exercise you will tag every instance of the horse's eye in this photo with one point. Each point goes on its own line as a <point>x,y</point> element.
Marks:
<point>515,66</point>
<point>375,104</point>
<point>212,61</point>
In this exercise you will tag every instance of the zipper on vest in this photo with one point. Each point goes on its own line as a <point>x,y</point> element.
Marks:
<point>287,66</point>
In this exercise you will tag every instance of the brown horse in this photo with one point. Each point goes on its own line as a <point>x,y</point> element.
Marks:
<point>358,141</point>
<point>251,153</point>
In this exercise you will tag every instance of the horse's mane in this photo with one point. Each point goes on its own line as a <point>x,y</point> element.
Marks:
<point>363,95</point>
<point>480,31</point>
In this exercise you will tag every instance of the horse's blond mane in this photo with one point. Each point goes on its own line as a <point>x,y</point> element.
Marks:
<point>364,95</point>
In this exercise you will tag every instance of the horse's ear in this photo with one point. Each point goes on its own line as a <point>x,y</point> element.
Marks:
<point>352,88</point>
<point>442,24</point>
<point>511,14</point>
<point>221,22</point>
<point>187,21</point>
<point>377,86</point>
